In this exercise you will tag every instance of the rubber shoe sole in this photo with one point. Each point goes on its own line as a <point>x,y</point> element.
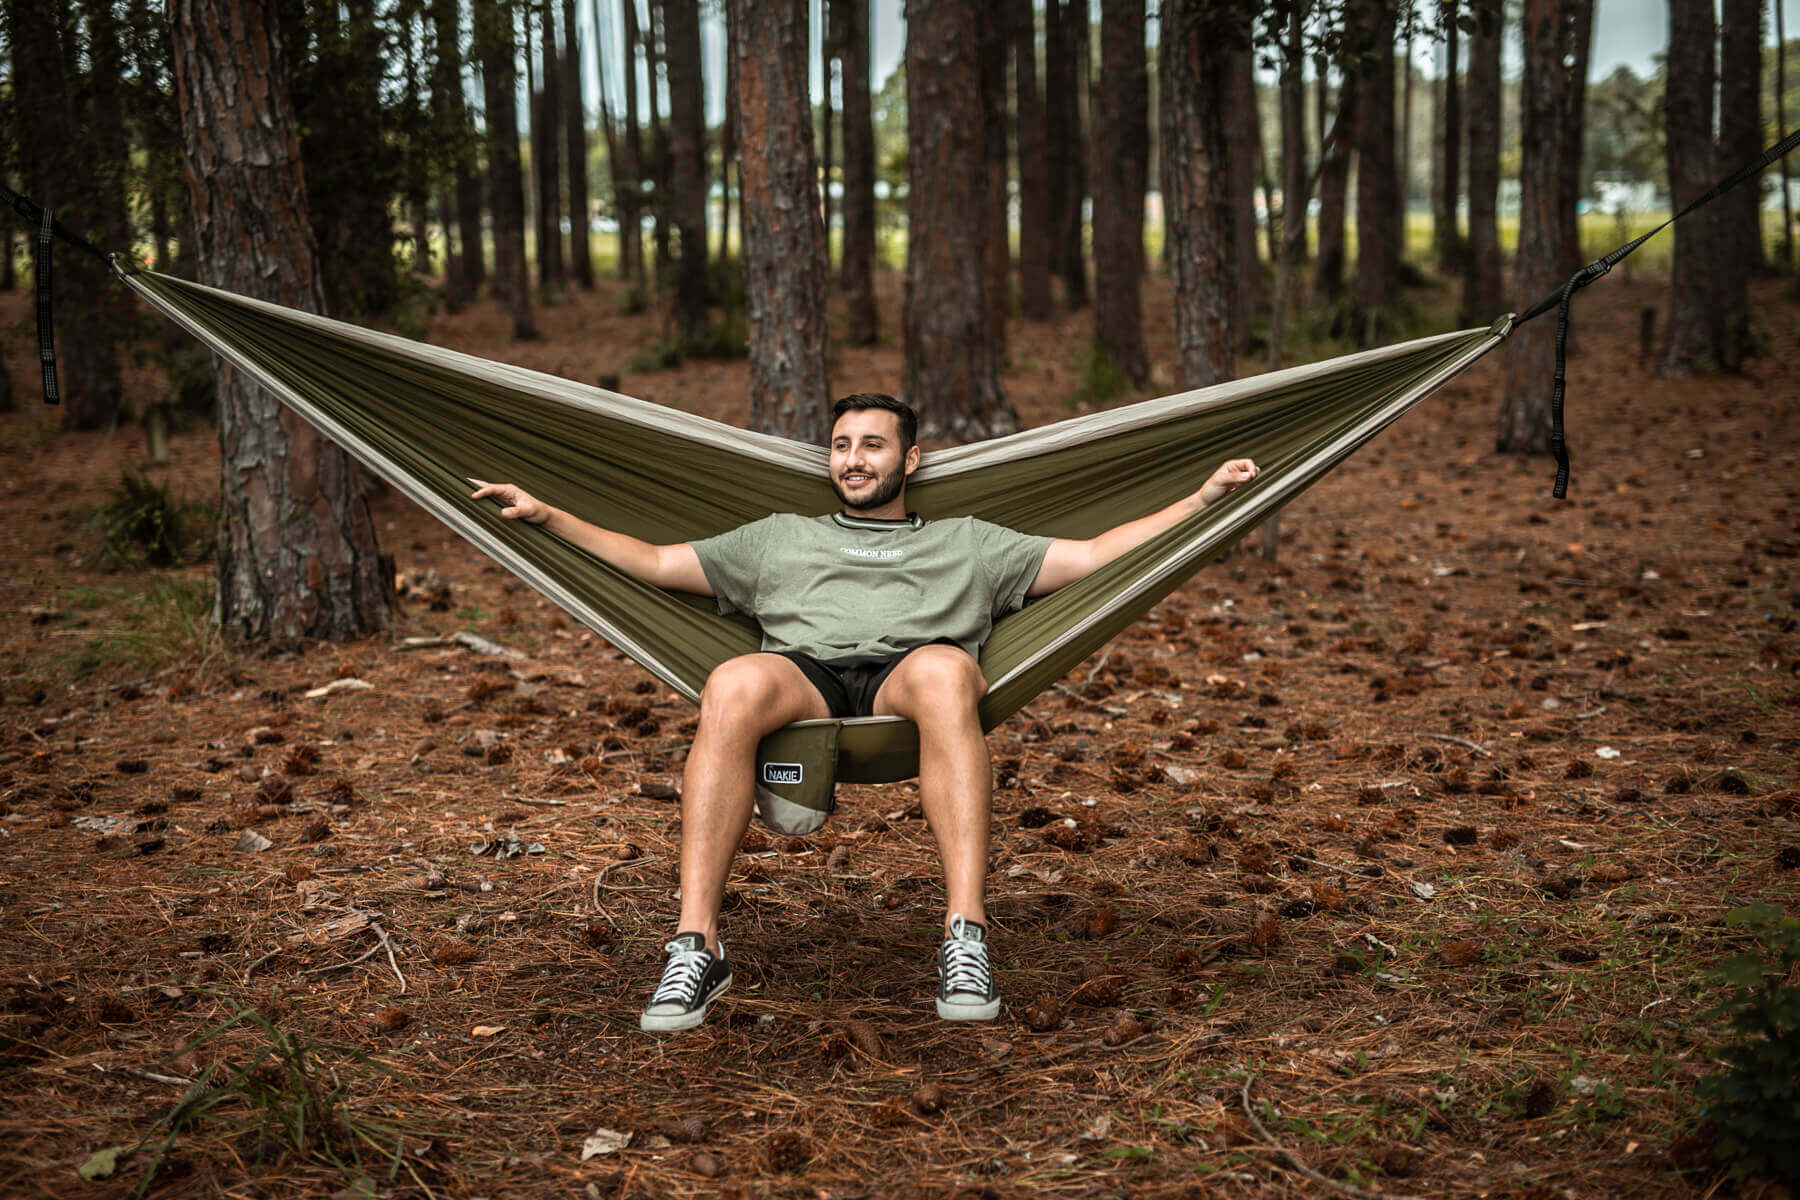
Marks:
<point>674,1022</point>
<point>968,1010</point>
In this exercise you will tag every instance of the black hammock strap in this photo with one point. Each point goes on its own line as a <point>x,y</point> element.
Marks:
<point>1559,299</point>
<point>48,228</point>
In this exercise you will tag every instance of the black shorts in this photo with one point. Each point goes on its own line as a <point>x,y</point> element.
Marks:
<point>849,685</point>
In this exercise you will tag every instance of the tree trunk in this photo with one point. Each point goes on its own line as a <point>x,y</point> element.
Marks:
<point>728,144</point>
<point>827,56</point>
<point>991,53</point>
<point>1379,220</point>
<point>296,547</point>
<point>546,162</point>
<point>1296,180</point>
<point>1444,234</point>
<point>1198,40</point>
<point>581,255</point>
<point>1334,188</point>
<point>1577,33</point>
<point>1243,141</point>
<point>1741,140</point>
<point>687,162</point>
<point>1403,168</point>
<point>1121,124</point>
<point>783,237</point>
<point>1034,167</point>
<point>654,56</point>
<point>951,373</point>
<point>1062,94</point>
<point>858,259</point>
<point>1704,326</point>
<point>1481,297</point>
<point>1787,204</point>
<point>61,166</point>
<point>630,175</point>
<point>450,114</point>
<point>506,179</point>
<point>1549,34</point>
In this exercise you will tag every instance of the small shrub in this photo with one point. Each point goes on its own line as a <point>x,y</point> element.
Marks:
<point>1754,1105</point>
<point>143,524</point>
<point>1102,381</point>
<point>636,301</point>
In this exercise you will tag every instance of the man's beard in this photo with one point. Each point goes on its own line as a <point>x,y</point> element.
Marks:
<point>886,488</point>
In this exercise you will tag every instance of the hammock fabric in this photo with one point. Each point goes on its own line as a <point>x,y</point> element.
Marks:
<point>428,420</point>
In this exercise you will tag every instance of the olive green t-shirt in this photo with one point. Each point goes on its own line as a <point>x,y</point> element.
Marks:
<point>849,588</point>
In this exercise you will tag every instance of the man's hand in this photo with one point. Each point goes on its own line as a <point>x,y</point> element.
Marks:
<point>519,505</point>
<point>1230,476</point>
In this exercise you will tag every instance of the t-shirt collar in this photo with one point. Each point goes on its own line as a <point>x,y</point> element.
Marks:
<point>909,521</point>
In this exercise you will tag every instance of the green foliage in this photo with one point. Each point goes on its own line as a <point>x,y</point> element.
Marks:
<point>284,1102</point>
<point>146,627</point>
<point>1102,381</point>
<point>1755,1103</point>
<point>143,525</point>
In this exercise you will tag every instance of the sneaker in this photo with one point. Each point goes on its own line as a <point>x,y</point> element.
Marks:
<point>694,978</point>
<point>966,990</point>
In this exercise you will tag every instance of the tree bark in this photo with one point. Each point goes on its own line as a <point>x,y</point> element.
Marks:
<point>581,255</point>
<point>1034,167</point>
<point>1705,326</point>
<point>463,272</point>
<point>62,167</point>
<point>728,144</point>
<point>1481,296</point>
<point>996,286</point>
<point>783,236</point>
<point>658,172</point>
<point>506,179</point>
<point>858,260</point>
<point>1741,138</point>
<point>631,159</point>
<point>1787,205</point>
<point>1379,221</point>
<point>1198,40</point>
<point>1296,180</point>
<point>687,162</point>
<point>951,373</point>
<point>297,550</point>
<point>827,57</point>
<point>1243,140</point>
<point>546,162</point>
<point>1548,94</point>
<point>1334,188</point>
<point>1445,236</point>
<point>1063,85</point>
<point>1121,124</point>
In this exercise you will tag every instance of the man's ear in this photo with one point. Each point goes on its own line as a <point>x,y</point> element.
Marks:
<point>912,458</point>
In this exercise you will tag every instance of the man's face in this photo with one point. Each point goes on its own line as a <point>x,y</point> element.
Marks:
<point>868,469</point>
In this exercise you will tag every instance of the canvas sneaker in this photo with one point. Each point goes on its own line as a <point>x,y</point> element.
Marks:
<point>966,990</point>
<point>693,979</point>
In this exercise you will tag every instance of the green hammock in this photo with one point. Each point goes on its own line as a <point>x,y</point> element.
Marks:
<point>428,420</point>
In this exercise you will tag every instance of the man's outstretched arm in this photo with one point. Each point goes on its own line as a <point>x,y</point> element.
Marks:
<point>675,568</point>
<point>1068,560</point>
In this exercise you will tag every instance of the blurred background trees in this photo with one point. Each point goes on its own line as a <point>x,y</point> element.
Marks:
<point>520,150</point>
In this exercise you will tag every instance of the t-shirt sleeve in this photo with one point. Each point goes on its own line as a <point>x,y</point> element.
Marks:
<point>731,561</point>
<point>1012,559</point>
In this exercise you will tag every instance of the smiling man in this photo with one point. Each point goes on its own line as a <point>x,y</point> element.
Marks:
<point>864,611</point>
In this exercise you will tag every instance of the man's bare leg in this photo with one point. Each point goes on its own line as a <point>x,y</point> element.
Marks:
<point>938,688</point>
<point>745,699</point>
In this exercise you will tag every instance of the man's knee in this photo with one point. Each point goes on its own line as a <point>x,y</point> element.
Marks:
<point>742,688</point>
<point>934,676</point>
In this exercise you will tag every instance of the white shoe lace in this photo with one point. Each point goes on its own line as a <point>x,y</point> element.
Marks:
<point>965,961</point>
<point>681,978</point>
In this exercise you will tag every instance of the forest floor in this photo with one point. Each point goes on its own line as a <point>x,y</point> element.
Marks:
<point>1425,833</point>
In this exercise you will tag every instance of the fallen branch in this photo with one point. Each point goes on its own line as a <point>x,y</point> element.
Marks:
<point>1289,1161</point>
<point>388,944</point>
<point>1445,737</point>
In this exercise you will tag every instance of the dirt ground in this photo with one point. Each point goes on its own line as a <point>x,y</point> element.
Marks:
<point>1404,857</point>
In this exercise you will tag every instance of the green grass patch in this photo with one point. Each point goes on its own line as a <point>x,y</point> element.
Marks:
<point>143,524</point>
<point>143,628</point>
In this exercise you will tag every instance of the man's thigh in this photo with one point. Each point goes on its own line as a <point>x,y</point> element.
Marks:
<point>770,686</point>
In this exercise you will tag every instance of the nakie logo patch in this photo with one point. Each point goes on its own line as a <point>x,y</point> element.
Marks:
<point>782,772</point>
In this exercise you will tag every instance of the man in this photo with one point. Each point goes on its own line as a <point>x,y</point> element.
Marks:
<point>865,611</point>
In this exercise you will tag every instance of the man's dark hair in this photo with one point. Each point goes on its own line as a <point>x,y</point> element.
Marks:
<point>909,420</point>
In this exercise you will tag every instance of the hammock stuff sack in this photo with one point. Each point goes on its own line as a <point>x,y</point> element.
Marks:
<point>428,420</point>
